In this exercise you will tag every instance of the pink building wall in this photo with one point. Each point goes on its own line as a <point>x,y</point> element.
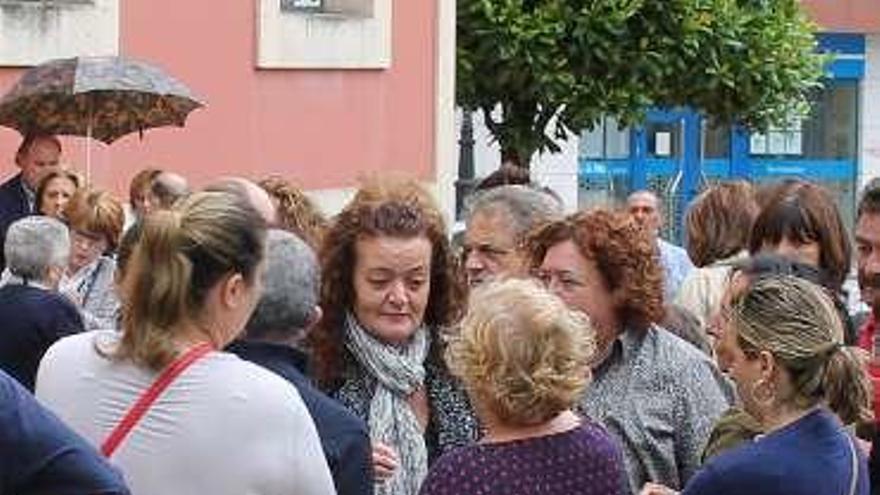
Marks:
<point>321,128</point>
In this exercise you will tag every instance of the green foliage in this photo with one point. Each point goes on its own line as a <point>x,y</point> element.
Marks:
<point>554,67</point>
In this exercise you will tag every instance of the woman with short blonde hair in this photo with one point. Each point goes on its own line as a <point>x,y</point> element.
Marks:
<point>524,359</point>
<point>95,219</point>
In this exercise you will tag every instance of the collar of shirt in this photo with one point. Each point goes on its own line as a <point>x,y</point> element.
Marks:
<point>624,348</point>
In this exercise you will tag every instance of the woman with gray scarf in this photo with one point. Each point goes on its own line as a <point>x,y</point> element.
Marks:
<point>388,288</point>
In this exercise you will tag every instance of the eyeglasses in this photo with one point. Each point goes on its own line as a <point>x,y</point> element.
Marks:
<point>563,278</point>
<point>486,250</point>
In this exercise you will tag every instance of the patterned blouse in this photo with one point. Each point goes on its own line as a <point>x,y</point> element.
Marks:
<point>660,397</point>
<point>582,461</point>
<point>451,423</point>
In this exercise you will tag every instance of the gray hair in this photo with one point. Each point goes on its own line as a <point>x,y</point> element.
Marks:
<point>526,207</point>
<point>34,244</point>
<point>290,288</point>
<point>168,188</point>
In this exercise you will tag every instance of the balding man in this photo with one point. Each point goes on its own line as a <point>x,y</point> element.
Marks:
<point>165,190</point>
<point>498,220</point>
<point>37,155</point>
<point>645,207</point>
<point>251,192</point>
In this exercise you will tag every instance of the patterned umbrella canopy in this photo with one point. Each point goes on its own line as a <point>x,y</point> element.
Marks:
<point>101,97</point>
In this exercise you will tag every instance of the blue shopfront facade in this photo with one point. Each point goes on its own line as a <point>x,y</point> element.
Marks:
<point>677,153</point>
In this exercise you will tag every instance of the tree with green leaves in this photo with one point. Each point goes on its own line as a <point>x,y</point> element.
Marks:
<point>542,70</point>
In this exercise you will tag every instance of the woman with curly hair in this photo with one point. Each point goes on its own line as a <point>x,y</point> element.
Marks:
<point>657,394</point>
<point>296,212</point>
<point>389,286</point>
<point>522,356</point>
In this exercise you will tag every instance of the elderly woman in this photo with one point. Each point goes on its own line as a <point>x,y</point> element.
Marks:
<point>34,315</point>
<point>785,341</point>
<point>718,222</point>
<point>389,286</point>
<point>800,220</point>
<point>55,191</point>
<point>657,394</point>
<point>522,356</point>
<point>171,410</point>
<point>95,219</point>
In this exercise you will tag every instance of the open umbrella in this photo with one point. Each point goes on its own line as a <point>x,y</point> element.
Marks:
<point>98,97</point>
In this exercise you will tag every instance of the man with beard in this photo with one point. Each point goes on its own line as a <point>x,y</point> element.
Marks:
<point>867,236</point>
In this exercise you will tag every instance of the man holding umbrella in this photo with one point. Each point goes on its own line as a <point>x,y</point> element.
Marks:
<point>37,155</point>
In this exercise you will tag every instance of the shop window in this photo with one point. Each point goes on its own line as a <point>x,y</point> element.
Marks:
<point>829,132</point>
<point>716,140</point>
<point>606,141</point>
<point>786,140</point>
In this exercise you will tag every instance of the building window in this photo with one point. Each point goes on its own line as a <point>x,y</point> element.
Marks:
<point>716,140</point>
<point>606,141</point>
<point>786,140</point>
<point>830,132</point>
<point>38,30</point>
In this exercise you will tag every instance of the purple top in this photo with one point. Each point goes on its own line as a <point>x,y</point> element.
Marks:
<point>581,461</point>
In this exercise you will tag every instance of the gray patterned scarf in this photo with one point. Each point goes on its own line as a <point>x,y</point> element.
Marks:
<point>400,372</point>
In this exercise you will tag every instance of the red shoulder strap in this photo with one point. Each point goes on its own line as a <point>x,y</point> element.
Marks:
<point>140,408</point>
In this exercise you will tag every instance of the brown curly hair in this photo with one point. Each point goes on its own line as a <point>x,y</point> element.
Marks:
<point>625,254</point>
<point>296,212</point>
<point>396,208</point>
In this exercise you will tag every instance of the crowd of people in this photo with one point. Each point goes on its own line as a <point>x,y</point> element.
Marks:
<point>233,340</point>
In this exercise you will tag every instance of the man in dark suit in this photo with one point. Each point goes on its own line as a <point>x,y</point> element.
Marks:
<point>287,308</point>
<point>33,313</point>
<point>36,156</point>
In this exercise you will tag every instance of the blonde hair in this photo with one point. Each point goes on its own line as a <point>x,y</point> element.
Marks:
<point>98,212</point>
<point>796,321</point>
<point>296,212</point>
<point>521,352</point>
<point>181,255</point>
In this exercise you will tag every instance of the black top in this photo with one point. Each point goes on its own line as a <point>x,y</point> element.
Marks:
<point>33,319</point>
<point>343,436</point>
<point>13,205</point>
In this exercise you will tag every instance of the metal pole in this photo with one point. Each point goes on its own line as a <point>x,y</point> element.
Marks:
<point>465,183</point>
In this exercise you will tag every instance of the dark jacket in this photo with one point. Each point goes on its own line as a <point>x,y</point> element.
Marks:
<point>344,437</point>
<point>42,456</point>
<point>451,423</point>
<point>33,319</point>
<point>13,206</point>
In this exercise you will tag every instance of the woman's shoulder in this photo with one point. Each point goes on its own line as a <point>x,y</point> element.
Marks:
<point>235,375</point>
<point>80,347</point>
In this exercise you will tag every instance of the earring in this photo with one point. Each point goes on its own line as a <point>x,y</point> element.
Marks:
<point>763,393</point>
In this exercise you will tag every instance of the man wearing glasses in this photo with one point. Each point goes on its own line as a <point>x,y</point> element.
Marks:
<point>497,222</point>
